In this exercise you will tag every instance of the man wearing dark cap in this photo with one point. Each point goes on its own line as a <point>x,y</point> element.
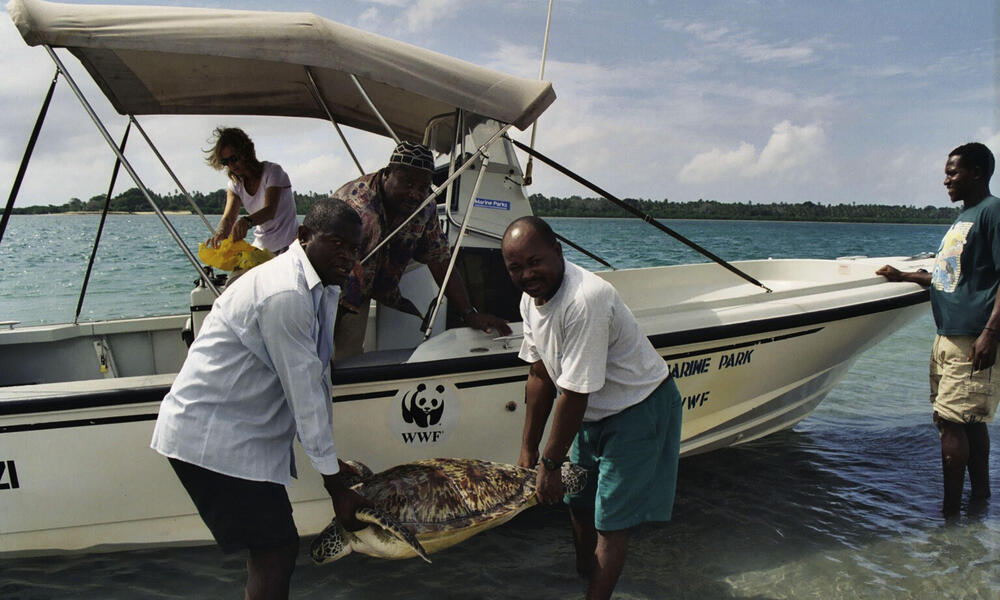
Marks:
<point>385,199</point>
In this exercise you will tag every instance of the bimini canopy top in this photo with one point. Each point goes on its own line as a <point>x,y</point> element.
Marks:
<point>169,60</point>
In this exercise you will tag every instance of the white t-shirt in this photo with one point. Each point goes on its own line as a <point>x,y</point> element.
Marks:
<point>590,343</point>
<point>279,232</point>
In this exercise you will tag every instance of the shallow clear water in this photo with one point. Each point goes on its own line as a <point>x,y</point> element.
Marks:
<point>845,505</point>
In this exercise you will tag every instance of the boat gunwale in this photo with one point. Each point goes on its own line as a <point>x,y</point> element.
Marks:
<point>473,364</point>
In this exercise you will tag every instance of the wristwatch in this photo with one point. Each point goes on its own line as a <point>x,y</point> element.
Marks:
<point>247,219</point>
<point>549,464</point>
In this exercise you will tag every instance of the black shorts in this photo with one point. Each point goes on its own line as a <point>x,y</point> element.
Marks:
<point>241,514</point>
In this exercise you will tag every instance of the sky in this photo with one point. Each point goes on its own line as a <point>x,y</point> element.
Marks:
<point>828,101</point>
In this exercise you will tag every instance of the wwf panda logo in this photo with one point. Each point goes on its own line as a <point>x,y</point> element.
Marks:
<point>424,406</point>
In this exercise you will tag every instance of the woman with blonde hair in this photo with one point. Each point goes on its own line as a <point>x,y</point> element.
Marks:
<point>261,187</point>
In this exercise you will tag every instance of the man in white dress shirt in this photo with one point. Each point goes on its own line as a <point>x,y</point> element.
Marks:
<point>257,375</point>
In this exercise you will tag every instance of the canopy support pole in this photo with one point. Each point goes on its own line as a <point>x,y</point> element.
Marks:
<point>100,226</point>
<point>163,162</point>
<point>444,185</point>
<point>27,156</point>
<point>455,153</point>
<point>458,244</point>
<point>375,110</point>
<point>318,97</point>
<point>638,213</point>
<point>131,171</point>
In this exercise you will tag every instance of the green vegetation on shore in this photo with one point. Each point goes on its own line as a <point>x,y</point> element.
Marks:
<point>132,200</point>
<point>576,206</point>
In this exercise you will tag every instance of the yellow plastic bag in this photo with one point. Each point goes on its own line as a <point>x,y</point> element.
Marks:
<point>231,255</point>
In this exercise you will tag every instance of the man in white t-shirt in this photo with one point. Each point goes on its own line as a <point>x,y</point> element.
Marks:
<point>616,404</point>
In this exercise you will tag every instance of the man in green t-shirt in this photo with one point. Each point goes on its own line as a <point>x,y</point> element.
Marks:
<point>966,310</point>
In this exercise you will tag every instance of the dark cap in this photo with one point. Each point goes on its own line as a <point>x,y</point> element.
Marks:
<point>413,155</point>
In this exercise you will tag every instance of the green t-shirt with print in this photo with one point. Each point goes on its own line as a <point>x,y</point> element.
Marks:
<point>967,270</point>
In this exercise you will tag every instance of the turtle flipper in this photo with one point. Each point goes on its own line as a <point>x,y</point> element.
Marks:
<point>389,523</point>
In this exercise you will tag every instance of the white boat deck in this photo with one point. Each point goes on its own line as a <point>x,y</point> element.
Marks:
<point>61,389</point>
<point>67,358</point>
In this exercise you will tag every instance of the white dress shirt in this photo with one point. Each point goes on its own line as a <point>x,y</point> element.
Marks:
<point>257,374</point>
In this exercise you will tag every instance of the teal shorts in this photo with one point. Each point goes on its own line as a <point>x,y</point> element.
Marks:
<point>631,461</point>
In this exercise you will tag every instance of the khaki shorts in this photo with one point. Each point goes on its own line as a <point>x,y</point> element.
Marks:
<point>957,393</point>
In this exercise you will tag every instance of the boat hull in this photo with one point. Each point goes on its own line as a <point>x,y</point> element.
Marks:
<point>87,480</point>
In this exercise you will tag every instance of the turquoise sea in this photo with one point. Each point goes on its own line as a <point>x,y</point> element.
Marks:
<point>844,505</point>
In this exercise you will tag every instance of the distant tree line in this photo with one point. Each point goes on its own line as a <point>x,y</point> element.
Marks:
<point>132,200</point>
<point>575,206</point>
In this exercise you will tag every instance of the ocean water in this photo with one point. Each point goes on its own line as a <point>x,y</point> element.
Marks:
<point>844,505</point>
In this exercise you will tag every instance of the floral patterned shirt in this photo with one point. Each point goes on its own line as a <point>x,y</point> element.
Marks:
<point>421,240</point>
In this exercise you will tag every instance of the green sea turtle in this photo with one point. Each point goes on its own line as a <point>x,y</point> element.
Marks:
<point>429,505</point>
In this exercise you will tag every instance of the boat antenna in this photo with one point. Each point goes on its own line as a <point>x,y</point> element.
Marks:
<point>635,211</point>
<point>541,75</point>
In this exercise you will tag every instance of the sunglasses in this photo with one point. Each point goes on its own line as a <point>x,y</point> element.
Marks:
<point>225,161</point>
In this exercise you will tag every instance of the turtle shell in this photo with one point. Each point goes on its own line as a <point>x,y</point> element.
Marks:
<point>444,494</point>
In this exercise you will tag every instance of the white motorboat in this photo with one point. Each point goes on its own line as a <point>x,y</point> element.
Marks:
<point>754,346</point>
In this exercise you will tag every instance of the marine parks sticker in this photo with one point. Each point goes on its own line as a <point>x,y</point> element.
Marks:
<point>424,413</point>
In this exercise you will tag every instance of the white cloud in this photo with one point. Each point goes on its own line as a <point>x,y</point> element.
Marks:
<point>745,45</point>
<point>719,164</point>
<point>904,173</point>
<point>412,16</point>
<point>370,18</point>
<point>630,127</point>
<point>990,137</point>
<point>702,31</point>
<point>755,51</point>
<point>422,15</point>
<point>789,147</point>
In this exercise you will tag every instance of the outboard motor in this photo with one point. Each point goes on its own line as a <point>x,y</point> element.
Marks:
<point>202,298</point>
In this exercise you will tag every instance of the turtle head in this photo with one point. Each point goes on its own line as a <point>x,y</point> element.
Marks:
<point>331,544</point>
<point>574,478</point>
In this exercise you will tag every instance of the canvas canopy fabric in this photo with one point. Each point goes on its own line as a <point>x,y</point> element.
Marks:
<point>171,60</point>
